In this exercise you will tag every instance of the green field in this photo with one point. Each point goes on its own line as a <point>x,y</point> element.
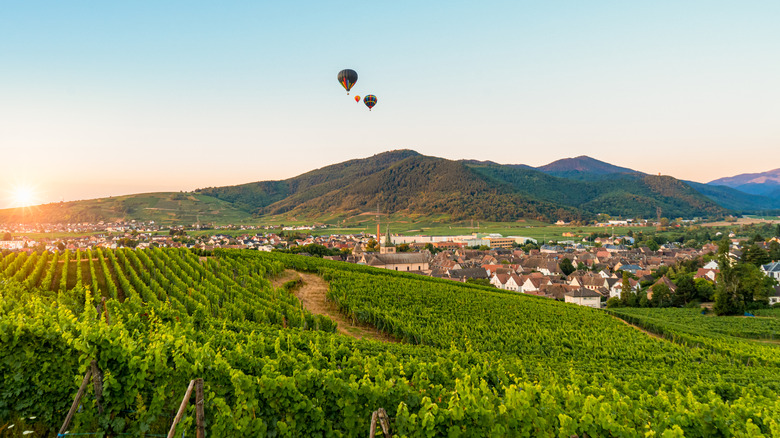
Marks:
<point>471,361</point>
<point>765,325</point>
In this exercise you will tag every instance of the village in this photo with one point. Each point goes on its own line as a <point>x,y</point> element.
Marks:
<point>586,273</point>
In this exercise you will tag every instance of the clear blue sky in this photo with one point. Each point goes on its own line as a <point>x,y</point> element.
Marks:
<point>109,98</point>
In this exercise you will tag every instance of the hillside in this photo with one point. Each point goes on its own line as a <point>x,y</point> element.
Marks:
<point>424,185</point>
<point>628,195</point>
<point>762,184</point>
<point>469,361</point>
<point>583,167</point>
<point>735,199</point>
<point>406,182</point>
<point>161,207</point>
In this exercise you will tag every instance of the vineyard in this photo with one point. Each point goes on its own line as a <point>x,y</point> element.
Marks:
<point>473,361</point>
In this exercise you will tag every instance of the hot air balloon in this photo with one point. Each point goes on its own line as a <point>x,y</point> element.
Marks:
<point>370,101</point>
<point>347,78</point>
<point>357,99</point>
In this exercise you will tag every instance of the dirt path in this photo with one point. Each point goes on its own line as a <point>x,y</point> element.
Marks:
<point>649,333</point>
<point>312,295</point>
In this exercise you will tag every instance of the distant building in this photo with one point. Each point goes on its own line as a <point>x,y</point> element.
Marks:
<point>708,274</point>
<point>11,244</point>
<point>406,261</point>
<point>501,242</point>
<point>775,297</point>
<point>584,297</point>
<point>772,270</point>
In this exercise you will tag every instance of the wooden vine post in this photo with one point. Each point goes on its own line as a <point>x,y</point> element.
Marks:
<point>380,416</point>
<point>200,416</point>
<point>199,412</point>
<point>97,382</point>
<point>105,309</point>
<point>97,379</point>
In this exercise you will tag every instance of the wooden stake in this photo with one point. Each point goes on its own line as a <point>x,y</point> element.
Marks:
<point>75,404</point>
<point>182,409</point>
<point>380,415</point>
<point>97,383</point>
<point>105,309</point>
<point>384,421</point>
<point>200,415</point>
<point>373,425</point>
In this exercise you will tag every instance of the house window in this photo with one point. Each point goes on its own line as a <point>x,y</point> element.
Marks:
<point>407,268</point>
<point>396,268</point>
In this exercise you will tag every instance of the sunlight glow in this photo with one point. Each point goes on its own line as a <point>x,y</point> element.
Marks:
<point>23,196</point>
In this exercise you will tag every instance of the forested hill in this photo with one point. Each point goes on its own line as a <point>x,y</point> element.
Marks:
<point>398,181</point>
<point>405,181</point>
<point>583,167</point>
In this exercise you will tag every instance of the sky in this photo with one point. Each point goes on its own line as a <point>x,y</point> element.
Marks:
<point>110,98</point>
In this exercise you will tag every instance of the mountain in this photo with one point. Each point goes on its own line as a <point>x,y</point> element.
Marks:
<point>408,183</point>
<point>734,199</point>
<point>623,194</point>
<point>763,184</point>
<point>405,181</point>
<point>396,181</point>
<point>583,168</point>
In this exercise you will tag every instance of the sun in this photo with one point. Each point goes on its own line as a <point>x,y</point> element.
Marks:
<point>23,196</point>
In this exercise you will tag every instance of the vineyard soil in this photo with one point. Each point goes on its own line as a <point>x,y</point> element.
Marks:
<point>312,295</point>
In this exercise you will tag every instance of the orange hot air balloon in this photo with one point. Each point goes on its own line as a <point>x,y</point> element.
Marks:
<point>357,99</point>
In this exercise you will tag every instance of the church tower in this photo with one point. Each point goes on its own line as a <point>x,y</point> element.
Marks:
<point>387,247</point>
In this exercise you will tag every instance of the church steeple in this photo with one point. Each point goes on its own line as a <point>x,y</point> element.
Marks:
<point>387,247</point>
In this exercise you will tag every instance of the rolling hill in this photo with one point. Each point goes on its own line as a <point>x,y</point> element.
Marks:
<point>406,182</point>
<point>161,207</point>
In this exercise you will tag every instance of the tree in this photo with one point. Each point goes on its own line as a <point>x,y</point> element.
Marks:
<point>686,290</point>
<point>774,250</point>
<point>614,302</point>
<point>755,255</point>
<point>625,293</point>
<point>582,266</point>
<point>653,245</point>
<point>724,245</point>
<point>705,290</point>
<point>662,295</point>
<point>373,246</point>
<point>404,247</point>
<point>7,236</point>
<point>566,266</point>
<point>740,286</point>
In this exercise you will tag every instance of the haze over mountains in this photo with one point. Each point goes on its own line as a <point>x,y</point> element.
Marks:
<point>764,184</point>
<point>406,182</point>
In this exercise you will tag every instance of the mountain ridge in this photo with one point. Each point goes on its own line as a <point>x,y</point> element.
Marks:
<point>407,182</point>
<point>765,184</point>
